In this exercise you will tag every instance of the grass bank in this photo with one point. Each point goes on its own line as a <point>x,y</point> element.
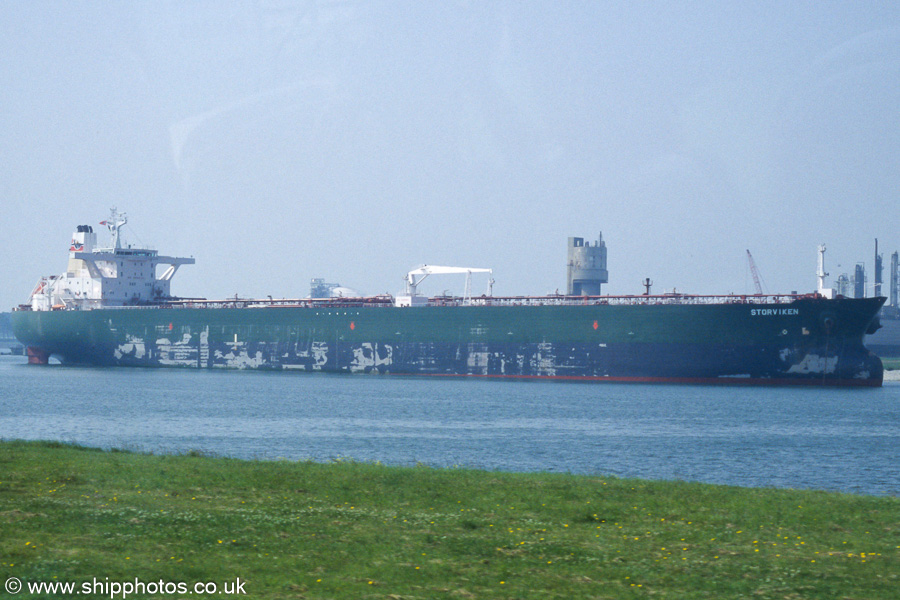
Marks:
<point>351,530</point>
<point>891,364</point>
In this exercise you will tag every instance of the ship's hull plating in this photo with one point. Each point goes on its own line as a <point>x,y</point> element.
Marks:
<point>808,341</point>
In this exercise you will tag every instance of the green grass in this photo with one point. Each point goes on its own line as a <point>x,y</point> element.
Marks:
<point>359,530</point>
<point>891,364</point>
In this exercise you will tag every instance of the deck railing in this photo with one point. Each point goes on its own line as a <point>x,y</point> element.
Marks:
<point>386,300</point>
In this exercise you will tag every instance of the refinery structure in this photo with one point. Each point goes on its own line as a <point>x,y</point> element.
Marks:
<point>856,285</point>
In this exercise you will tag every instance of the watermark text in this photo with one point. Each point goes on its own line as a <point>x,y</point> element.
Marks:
<point>115,590</point>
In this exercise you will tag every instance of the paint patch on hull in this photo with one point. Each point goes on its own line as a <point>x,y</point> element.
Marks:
<point>133,348</point>
<point>814,364</point>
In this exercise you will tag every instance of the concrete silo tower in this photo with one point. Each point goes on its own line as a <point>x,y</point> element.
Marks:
<point>586,267</point>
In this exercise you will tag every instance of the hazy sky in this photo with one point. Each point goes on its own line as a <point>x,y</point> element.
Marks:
<point>277,141</point>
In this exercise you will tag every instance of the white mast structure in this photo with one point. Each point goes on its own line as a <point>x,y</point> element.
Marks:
<point>115,222</point>
<point>821,274</point>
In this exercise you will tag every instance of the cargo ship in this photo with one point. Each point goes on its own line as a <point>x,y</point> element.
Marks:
<point>112,308</point>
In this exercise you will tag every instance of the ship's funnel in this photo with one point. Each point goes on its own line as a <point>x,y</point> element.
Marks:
<point>83,240</point>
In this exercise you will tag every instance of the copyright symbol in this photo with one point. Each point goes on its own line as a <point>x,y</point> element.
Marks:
<point>13,585</point>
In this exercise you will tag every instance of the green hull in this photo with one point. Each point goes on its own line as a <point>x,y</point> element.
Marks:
<point>809,341</point>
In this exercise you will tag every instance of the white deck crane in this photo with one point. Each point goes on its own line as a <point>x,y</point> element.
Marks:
<point>416,276</point>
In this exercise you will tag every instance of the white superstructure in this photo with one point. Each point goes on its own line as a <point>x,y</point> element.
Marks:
<point>114,276</point>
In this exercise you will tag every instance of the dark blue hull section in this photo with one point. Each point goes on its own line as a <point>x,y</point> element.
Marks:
<point>810,340</point>
<point>625,362</point>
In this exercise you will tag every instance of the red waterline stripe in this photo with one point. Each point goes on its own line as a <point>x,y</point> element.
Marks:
<point>684,380</point>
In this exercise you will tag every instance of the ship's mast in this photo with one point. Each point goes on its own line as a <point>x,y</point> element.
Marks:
<point>821,274</point>
<point>115,222</point>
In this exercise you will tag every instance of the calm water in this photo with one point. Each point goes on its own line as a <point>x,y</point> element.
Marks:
<point>847,440</point>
